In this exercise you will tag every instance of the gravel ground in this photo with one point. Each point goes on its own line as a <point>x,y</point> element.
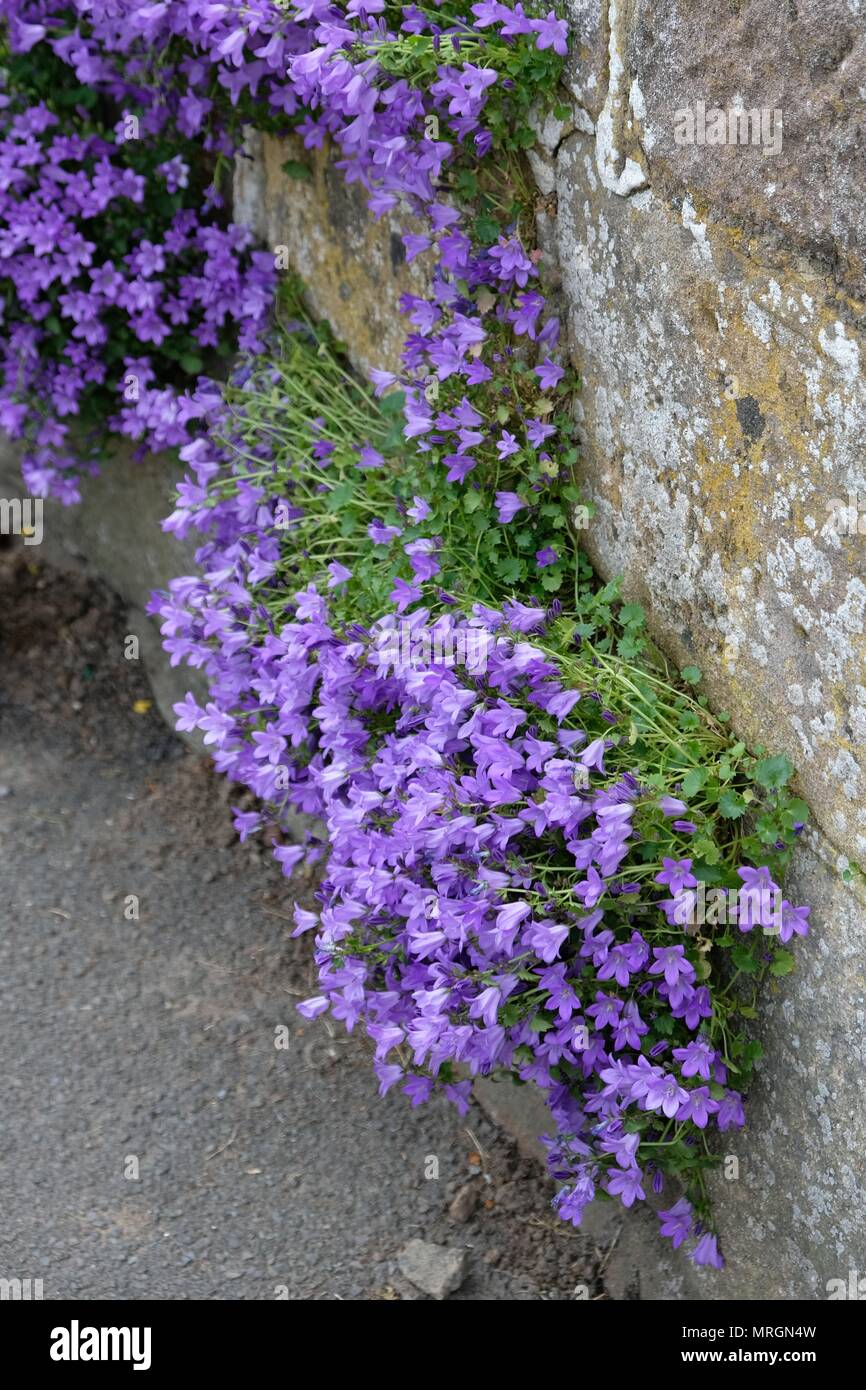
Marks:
<point>155,1141</point>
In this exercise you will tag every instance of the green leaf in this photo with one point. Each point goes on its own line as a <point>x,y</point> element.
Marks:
<point>487,230</point>
<point>691,675</point>
<point>551,579</point>
<point>744,960</point>
<point>694,781</point>
<point>631,613</point>
<point>467,185</point>
<point>783,963</point>
<point>774,772</point>
<point>628,648</point>
<point>509,568</point>
<point>731,806</point>
<point>540,1023</point>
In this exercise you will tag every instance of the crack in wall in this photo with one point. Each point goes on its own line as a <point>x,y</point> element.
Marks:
<point>618,171</point>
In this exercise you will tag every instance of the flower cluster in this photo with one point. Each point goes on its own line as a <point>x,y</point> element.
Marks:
<point>118,277</point>
<point>502,851</point>
<point>507,842</point>
<point>176,283</point>
<point>472,864</point>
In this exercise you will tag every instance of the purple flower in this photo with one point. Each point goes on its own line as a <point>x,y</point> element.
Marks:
<point>509,918</point>
<point>676,1222</point>
<point>625,1184</point>
<point>485,1006</point>
<point>404,594</point>
<point>666,1094</point>
<point>522,617</point>
<point>593,755</point>
<point>508,504</point>
<point>314,1008</point>
<point>551,33</point>
<point>380,534</point>
<point>731,1114</point>
<point>188,714</point>
<point>246,823</point>
<point>706,1252</point>
<point>698,1107</point>
<point>339,574</point>
<point>537,431</point>
<point>26,36</point>
<point>549,375</point>
<point>288,857</point>
<point>370,457</point>
<point>794,919</point>
<point>591,889</point>
<point>676,874</point>
<point>506,445</point>
<point>671,960</point>
<point>696,1058</point>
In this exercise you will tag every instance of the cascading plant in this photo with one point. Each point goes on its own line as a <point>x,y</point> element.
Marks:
<point>120,281</point>
<point>541,854</point>
<point>526,812</point>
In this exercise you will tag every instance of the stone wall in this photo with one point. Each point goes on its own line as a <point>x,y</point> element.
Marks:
<point>713,301</point>
<point>716,314</point>
<point>355,268</point>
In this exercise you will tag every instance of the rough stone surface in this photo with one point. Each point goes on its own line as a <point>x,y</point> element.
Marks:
<point>804,65</point>
<point>433,1269</point>
<point>714,299</point>
<point>586,64</point>
<point>464,1203</point>
<point>518,1109</point>
<point>355,268</point>
<point>723,411</point>
<point>794,1215</point>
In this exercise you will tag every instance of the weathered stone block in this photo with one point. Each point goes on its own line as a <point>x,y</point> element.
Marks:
<point>355,268</point>
<point>715,315</point>
<point>799,186</point>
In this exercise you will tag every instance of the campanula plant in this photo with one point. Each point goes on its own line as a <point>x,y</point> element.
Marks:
<point>541,854</point>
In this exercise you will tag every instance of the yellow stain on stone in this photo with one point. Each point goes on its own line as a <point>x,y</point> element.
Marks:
<point>354,265</point>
